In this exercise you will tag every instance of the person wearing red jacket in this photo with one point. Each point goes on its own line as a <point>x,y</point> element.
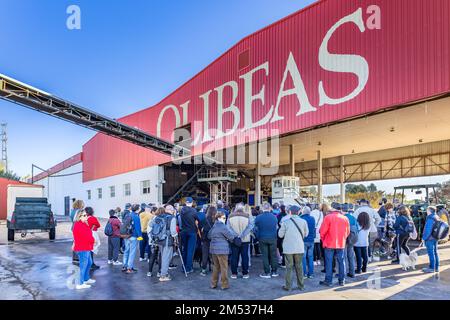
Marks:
<point>334,232</point>
<point>94,224</point>
<point>83,244</point>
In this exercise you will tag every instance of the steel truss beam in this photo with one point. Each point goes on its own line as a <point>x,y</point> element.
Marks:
<point>38,100</point>
<point>408,167</point>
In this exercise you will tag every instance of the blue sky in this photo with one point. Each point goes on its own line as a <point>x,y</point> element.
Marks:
<point>128,55</point>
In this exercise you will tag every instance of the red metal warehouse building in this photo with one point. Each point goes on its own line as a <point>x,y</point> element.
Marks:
<point>332,62</point>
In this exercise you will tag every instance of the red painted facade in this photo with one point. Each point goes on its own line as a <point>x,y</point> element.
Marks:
<point>385,52</point>
<point>4,183</point>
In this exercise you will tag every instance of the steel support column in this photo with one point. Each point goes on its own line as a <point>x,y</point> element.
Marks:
<point>319,177</point>
<point>292,160</point>
<point>342,179</point>
<point>258,176</point>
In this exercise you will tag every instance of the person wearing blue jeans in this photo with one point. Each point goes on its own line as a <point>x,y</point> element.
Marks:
<point>188,223</point>
<point>243,252</point>
<point>338,254</point>
<point>308,257</point>
<point>188,243</point>
<point>308,260</point>
<point>131,243</point>
<point>430,242</point>
<point>129,253</point>
<point>85,265</point>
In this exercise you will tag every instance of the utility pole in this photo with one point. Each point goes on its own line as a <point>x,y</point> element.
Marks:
<point>4,138</point>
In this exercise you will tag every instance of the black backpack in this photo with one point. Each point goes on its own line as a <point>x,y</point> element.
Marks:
<point>440,230</point>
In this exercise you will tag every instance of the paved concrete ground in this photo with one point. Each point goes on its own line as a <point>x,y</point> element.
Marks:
<point>36,268</point>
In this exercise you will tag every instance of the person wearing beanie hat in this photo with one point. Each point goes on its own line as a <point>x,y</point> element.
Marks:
<point>308,257</point>
<point>293,230</point>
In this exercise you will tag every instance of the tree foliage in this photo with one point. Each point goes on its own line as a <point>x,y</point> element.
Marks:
<point>9,175</point>
<point>443,192</point>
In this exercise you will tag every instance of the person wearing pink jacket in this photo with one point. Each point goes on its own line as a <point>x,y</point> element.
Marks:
<point>334,232</point>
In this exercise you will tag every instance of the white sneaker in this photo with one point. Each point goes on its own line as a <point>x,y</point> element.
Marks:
<point>82,286</point>
<point>117,263</point>
<point>158,274</point>
<point>90,281</point>
<point>315,263</point>
<point>140,259</point>
<point>110,262</point>
<point>318,263</point>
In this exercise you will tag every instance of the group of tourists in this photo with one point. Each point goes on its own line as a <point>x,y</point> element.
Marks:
<point>291,237</point>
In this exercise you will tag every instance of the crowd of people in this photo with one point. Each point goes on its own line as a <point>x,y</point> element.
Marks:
<point>296,238</point>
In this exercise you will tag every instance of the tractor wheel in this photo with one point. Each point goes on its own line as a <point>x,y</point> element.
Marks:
<point>10,234</point>
<point>52,234</point>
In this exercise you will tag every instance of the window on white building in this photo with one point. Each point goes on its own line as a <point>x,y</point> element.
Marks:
<point>100,193</point>
<point>127,189</point>
<point>112,191</point>
<point>89,194</point>
<point>145,187</point>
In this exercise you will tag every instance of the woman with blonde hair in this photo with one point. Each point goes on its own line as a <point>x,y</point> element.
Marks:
<point>76,206</point>
<point>83,244</point>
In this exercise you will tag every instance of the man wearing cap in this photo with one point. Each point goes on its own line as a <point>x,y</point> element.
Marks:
<point>188,231</point>
<point>375,220</point>
<point>293,230</point>
<point>145,216</point>
<point>308,257</point>
<point>334,232</point>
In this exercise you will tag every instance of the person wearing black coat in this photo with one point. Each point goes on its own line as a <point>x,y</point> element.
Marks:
<point>205,227</point>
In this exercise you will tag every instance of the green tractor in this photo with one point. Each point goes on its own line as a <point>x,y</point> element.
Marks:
<point>419,208</point>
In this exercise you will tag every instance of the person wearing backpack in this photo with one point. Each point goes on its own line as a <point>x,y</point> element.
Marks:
<point>403,226</point>
<point>349,253</point>
<point>112,231</point>
<point>362,245</point>
<point>155,254</point>
<point>293,231</point>
<point>163,232</point>
<point>431,242</point>
<point>132,232</point>
<point>308,257</point>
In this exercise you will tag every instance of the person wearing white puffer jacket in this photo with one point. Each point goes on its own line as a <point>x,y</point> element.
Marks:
<point>318,218</point>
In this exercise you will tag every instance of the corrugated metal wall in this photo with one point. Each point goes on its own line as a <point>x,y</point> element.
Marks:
<point>408,60</point>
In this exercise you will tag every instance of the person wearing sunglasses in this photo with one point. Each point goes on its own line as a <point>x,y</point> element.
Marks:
<point>83,244</point>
